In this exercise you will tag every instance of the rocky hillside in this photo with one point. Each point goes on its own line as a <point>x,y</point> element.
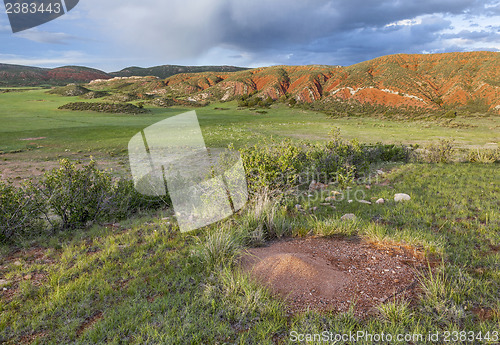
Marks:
<point>430,81</point>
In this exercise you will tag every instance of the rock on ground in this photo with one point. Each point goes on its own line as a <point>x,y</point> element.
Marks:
<point>401,197</point>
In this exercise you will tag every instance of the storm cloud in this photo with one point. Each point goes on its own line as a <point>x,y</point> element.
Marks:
<point>263,32</point>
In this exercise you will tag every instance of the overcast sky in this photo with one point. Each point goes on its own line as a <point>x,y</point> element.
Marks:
<point>113,34</point>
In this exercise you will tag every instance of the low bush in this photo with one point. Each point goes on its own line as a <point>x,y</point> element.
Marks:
<point>285,165</point>
<point>126,200</point>
<point>69,197</point>
<point>77,196</point>
<point>124,108</point>
<point>439,152</point>
<point>19,212</point>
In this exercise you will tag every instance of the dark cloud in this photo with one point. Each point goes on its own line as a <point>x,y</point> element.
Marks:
<point>475,36</point>
<point>340,31</point>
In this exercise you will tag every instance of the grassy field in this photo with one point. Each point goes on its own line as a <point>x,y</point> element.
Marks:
<point>144,282</point>
<point>34,114</point>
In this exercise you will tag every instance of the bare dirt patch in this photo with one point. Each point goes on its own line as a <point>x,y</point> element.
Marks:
<point>20,167</point>
<point>329,274</point>
<point>33,139</point>
<point>89,322</point>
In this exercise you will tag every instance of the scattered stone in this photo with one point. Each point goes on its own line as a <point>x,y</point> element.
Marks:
<point>28,277</point>
<point>314,208</point>
<point>166,218</point>
<point>401,197</point>
<point>334,192</point>
<point>17,263</point>
<point>330,198</point>
<point>298,207</point>
<point>380,201</point>
<point>349,201</point>
<point>348,216</point>
<point>317,185</point>
<point>380,172</point>
<point>365,202</point>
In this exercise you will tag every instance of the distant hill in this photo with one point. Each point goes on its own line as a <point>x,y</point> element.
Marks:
<point>16,75</point>
<point>413,81</point>
<point>166,71</point>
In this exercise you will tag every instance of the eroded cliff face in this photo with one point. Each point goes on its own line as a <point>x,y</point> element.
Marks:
<point>422,81</point>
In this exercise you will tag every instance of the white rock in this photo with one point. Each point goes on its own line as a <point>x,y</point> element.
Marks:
<point>365,202</point>
<point>380,172</point>
<point>298,206</point>
<point>380,201</point>
<point>401,197</point>
<point>17,263</point>
<point>349,201</point>
<point>348,216</point>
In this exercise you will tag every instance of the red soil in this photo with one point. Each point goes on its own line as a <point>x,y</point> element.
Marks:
<point>333,274</point>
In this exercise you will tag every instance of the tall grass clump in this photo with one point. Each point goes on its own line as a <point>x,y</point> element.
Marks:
<point>219,248</point>
<point>487,156</point>
<point>266,218</point>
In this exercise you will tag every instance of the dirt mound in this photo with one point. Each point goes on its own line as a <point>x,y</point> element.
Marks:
<point>333,274</point>
<point>69,90</point>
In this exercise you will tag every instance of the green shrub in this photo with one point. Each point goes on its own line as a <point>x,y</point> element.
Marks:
<point>450,114</point>
<point>125,108</point>
<point>286,165</point>
<point>389,153</point>
<point>77,196</point>
<point>440,152</point>
<point>19,212</point>
<point>272,164</point>
<point>126,200</point>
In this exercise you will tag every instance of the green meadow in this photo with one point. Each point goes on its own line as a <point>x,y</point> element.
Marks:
<point>34,114</point>
<point>142,281</point>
